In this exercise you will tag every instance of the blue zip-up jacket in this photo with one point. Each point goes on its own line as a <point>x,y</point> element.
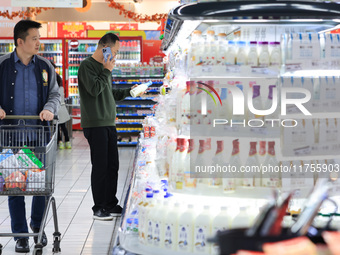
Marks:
<point>48,89</point>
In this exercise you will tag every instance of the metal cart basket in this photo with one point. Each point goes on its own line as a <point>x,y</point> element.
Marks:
<point>28,150</point>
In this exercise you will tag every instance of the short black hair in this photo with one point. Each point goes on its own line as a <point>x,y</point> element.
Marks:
<point>22,27</point>
<point>108,40</point>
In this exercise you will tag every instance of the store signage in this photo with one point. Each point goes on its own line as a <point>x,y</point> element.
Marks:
<point>123,26</point>
<point>72,29</point>
<point>48,3</point>
<point>74,44</point>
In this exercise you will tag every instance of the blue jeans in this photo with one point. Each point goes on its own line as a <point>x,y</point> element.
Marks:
<point>17,212</point>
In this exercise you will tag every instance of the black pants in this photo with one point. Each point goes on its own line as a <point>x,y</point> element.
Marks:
<point>105,165</point>
<point>63,130</point>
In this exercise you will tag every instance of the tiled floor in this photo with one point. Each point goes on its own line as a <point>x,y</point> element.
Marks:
<point>80,233</point>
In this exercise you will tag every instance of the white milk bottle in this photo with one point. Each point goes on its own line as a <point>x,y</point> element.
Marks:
<point>142,218</point>
<point>191,157</point>
<point>264,57</point>
<point>221,222</point>
<point>202,230</point>
<point>241,56</point>
<point>148,224</point>
<point>272,177</point>
<point>229,180</point>
<point>196,49</point>
<point>185,103</point>
<point>275,54</point>
<point>210,48</point>
<point>160,218</point>
<point>242,219</point>
<point>262,151</point>
<point>181,163</point>
<point>171,227</point>
<point>252,178</point>
<point>218,160</point>
<point>222,49</point>
<point>231,53</point>
<point>185,235</point>
<point>255,103</point>
<point>253,59</point>
<point>156,223</point>
<point>269,105</point>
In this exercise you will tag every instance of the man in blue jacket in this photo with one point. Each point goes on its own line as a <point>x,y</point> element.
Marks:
<point>28,86</point>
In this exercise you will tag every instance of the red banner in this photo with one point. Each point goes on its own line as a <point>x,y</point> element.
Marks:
<point>72,29</point>
<point>152,50</point>
<point>123,26</point>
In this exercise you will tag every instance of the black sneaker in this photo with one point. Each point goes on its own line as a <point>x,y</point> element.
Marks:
<point>116,211</point>
<point>43,239</point>
<point>102,215</point>
<point>22,245</point>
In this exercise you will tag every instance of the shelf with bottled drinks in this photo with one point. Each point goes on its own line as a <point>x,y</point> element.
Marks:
<point>187,182</point>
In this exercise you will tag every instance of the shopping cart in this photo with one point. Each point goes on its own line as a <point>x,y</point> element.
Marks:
<point>27,165</point>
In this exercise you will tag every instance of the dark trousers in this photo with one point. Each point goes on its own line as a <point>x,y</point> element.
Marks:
<point>105,165</point>
<point>17,211</point>
<point>63,130</point>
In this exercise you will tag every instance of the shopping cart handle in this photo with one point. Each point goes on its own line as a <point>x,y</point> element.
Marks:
<point>26,117</point>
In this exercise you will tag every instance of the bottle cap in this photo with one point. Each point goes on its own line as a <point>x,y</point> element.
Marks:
<point>149,195</point>
<point>221,34</point>
<point>274,43</point>
<point>263,43</point>
<point>253,43</point>
<point>210,32</point>
<point>197,32</point>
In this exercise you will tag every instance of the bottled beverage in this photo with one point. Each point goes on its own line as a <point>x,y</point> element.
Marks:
<point>264,57</point>
<point>54,47</point>
<point>218,160</point>
<point>271,178</point>
<point>242,219</point>
<point>171,223</point>
<point>182,153</point>
<point>2,182</point>
<point>221,222</point>
<point>174,163</point>
<point>252,54</point>
<point>222,49</point>
<point>148,227</point>
<point>269,104</point>
<point>142,216</point>
<point>185,242</point>
<point>256,102</point>
<point>230,182</point>
<point>252,178</point>
<point>159,222</point>
<point>185,103</point>
<point>140,89</point>
<point>188,181</point>
<point>231,54</point>
<point>262,150</point>
<point>210,49</point>
<point>202,230</point>
<point>275,54</point>
<point>241,56</point>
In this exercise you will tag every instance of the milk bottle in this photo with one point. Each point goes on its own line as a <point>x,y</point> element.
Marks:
<point>221,222</point>
<point>160,218</point>
<point>196,49</point>
<point>156,223</point>
<point>252,178</point>
<point>275,54</point>
<point>185,233</point>
<point>210,49</point>
<point>241,57</point>
<point>229,181</point>
<point>142,216</point>
<point>264,57</point>
<point>242,219</point>
<point>222,49</point>
<point>271,178</point>
<point>171,227</point>
<point>202,229</point>
<point>231,54</point>
<point>252,54</point>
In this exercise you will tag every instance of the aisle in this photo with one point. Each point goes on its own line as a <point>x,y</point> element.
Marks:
<point>80,233</point>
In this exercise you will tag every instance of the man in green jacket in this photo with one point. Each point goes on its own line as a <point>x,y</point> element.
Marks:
<point>98,114</point>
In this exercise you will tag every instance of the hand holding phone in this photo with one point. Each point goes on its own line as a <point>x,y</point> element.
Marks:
<point>106,53</point>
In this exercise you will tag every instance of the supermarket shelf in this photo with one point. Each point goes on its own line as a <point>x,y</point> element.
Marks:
<point>73,64</point>
<point>134,114</point>
<point>73,76</point>
<point>70,94</point>
<point>134,83</point>
<point>73,84</point>
<point>127,143</point>
<point>128,123</point>
<point>134,106</point>
<point>139,77</point>
<point>58,51</point>
<point>129,131</point>
<point>139,98</point>
<point>79,52</point>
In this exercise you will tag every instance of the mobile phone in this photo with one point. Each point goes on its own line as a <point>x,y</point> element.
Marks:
<point>106,53</point>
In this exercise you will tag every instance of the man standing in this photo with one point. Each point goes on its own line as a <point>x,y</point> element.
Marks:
<point>98,114</point>
<point>27,87</point>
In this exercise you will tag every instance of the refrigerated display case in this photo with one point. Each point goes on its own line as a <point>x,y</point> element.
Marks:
<point>6,45</point>
<point>308,60</point>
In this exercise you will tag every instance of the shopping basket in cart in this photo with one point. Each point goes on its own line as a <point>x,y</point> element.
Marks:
<point>27,164</point>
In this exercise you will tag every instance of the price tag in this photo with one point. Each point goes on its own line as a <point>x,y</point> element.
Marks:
<point>260,70</point>
<point>233,68</point>
<point>259,130</point>
<point>302,151</point>
<point>293,67</point>
<point>206,69</point>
